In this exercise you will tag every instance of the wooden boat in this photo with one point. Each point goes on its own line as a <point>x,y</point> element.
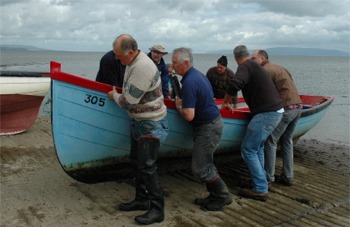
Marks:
<point>21,94</point>
<point>91,132</point>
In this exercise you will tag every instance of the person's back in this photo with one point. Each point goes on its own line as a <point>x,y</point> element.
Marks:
<point>281,78</point>
<point>111,70</point>
<point>197,93</point>
<point>150,106</point>
<point>284,83</point>
<point>257,88</point>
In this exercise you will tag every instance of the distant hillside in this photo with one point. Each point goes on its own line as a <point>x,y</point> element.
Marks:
<point>294,52</point>
<point>305,51</point>
<point>21,47</point>
<point>291,51</point>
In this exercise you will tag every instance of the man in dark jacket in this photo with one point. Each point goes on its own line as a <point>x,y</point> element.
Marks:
<point>111,71</point>
<point>266,108</point>
<point>156,54</point>
<point>219,77</point>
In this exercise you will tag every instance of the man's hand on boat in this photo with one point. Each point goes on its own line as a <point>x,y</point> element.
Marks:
<point>113,95</point>
<point>227,104</point>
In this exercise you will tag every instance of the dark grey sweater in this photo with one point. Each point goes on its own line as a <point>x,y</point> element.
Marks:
<point>257,88</point>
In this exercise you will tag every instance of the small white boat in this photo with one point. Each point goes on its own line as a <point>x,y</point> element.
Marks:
<point>21,95</point>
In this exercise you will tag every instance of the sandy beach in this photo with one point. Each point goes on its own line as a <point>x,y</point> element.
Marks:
<point>35,191</point>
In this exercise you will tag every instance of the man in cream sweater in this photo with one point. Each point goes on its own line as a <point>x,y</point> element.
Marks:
<point>142,98</point>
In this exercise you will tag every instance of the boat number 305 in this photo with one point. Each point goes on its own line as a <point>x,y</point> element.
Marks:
<point>95,100</point>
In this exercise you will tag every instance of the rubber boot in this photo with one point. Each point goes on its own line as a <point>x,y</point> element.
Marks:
<point>205,200</point>
<point>148,172</point>
<point>154,214</point>
<point>221,195</point>
<point>141,201</point>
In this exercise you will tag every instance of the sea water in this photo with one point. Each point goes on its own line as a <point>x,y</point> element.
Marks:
<point>327,76</point>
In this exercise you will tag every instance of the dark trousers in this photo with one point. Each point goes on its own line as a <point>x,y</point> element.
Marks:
<point>143,156</point>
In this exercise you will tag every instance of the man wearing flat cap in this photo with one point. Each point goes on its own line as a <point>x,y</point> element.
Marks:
<point>156,54</point>
<point>219,77</point>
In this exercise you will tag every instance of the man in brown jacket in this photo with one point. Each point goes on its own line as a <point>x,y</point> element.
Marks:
<point>284,131</point>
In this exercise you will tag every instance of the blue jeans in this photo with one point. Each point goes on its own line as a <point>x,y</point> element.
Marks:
<point>146,129</point>
<point>284,133</point>
<point>252,148</point>
<point>206,140</point>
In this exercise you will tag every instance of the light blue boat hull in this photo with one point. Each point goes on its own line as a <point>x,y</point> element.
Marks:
<point>91,132</point>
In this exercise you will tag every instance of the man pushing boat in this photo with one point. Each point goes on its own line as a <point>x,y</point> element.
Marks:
<point>198,107</point>
<point>143,100</point>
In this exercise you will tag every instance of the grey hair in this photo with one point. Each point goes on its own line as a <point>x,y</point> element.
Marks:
<point>184,54</point>
<point>126,43</point>
<point>263,53</point>
<point>240,51</point>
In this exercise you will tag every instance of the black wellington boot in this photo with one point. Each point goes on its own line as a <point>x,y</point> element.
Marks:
<point>141,201</point>
<point>154,214</point>
<point>201,202</point>
<point>221,195</point>
<point>149,175</point>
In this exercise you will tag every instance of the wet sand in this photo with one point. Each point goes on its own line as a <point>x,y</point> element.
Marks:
<point>35,191</point>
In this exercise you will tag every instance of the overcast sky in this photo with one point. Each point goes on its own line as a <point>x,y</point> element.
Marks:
<point>203,25</point>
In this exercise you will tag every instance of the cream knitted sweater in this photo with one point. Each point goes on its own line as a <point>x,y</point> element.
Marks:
<point>142,90</point>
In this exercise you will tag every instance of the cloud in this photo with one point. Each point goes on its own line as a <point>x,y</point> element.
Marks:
<point>203,25</point>
<point>315,8</point>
